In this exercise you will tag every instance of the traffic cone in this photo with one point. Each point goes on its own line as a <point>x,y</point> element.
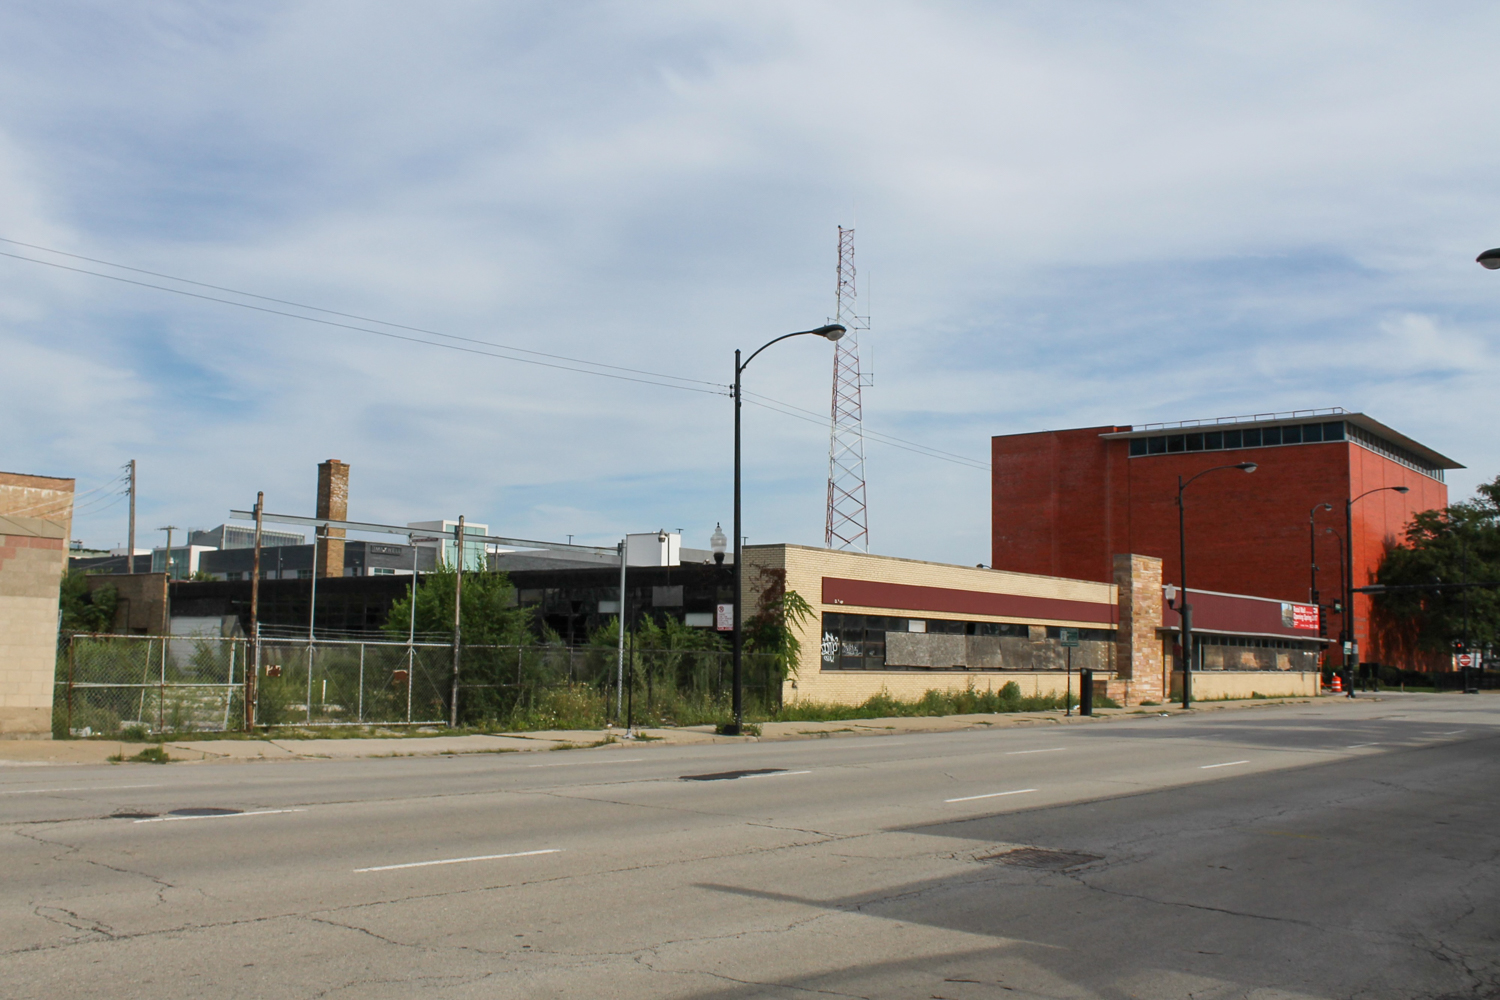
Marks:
<point>1338,684</point>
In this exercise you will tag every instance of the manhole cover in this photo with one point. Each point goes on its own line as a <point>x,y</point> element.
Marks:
<point>731,775</point>
<point>205,811</point>
<point>1040,857</point>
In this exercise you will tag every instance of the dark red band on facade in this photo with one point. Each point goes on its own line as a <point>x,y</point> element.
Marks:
<point>904,597</point>
<point>1232,613</point>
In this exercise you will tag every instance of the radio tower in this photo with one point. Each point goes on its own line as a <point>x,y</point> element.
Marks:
<point>848,525</point>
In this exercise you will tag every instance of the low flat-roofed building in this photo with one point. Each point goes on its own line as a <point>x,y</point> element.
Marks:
<point>36,513</point>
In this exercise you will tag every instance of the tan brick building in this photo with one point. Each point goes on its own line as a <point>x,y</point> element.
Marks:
<point>906,627</point>
<point>36,513</point>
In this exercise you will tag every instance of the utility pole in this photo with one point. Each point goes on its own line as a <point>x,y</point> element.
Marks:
<point>130,544</point>
<point>252,669</point>
<point>166,580</point>
<point>458,606</point>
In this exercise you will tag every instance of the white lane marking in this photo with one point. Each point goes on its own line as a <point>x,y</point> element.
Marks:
<point>1356,746</point>
<point>93,788</point>
<point>576,763</point>
<point>1227,763</point>
<point>990,795</point>
<point>778,774</point>
<point>459,861</point>
<point>1012,753</point>
<point>254,812</point>
<point>1454,732</point>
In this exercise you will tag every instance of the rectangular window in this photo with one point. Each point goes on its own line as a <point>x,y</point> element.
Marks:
<point>1251,437</point>
<point>916,625</point>
<point>1157,445</point>
<point>1291,435</point>
<point>1137,447</point>
<point>1176,443</point>
<point>1213,441</point>
<point>1232,439</point>
<point>1195,442</point>
<point>1333,431</point>
<point>1270,435</point>
<point>1312,433</point>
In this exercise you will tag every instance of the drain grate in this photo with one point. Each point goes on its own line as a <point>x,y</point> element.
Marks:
<point>1040,857</point>
<point>731,775</point>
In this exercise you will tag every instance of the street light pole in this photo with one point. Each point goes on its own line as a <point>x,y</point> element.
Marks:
<point>1312,551</point>
<point>832,331</point>
<point>1351,647</point>
<point>1186,612</point>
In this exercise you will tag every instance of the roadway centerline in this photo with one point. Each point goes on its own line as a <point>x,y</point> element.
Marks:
<point>1012,753</point>
<point>1227,763</point>
<point>990,795</point>
<point>254,812</point>
<point>459,861</point>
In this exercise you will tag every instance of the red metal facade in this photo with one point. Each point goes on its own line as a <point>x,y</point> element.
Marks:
<point>1065,502</point>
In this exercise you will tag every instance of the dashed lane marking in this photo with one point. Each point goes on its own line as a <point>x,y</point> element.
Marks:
<point>92,788</point>
<point>576,763</point>
<point>233,815</point>
<point>990,795</point>
<point>1012,753</point>
<point>459,861</point>
<point>1227,763</point>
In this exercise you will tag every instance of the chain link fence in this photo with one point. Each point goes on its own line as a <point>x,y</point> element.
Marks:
<point>111,684</point>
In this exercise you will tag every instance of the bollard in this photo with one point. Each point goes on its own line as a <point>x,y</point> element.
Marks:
<point>1085,692</point>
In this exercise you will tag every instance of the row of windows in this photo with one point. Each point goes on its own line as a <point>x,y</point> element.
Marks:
<point>1203,639</point>
<point>1263,437</point>
<point>1248,437</point>
<point>1394,452</point>
<point>857,642</point>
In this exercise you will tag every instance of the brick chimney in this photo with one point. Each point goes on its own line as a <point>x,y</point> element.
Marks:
<point>333,503</point>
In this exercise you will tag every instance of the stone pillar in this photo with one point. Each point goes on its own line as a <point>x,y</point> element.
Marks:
<point>333,503</point>
<point>1139,661</point>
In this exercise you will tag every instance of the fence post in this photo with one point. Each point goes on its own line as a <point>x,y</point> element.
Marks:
<point>229,686</point>
<point>72,642</point>
<point>309,675</point>
<point>161,695</point>
<point>411,669</point>
<point>361,716</point>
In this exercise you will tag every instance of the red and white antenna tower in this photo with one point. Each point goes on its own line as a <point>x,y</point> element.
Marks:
<point>848,524</point>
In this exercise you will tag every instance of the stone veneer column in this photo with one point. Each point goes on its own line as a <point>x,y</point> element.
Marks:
<point>333,503</point>
<point>1140,665</point>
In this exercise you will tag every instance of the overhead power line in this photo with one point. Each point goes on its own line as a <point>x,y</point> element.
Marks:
<point>555,361</point>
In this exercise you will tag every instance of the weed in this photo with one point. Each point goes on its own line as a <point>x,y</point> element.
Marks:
<point>1150,704</point>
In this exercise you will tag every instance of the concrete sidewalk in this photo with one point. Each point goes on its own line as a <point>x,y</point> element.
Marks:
<point>21,753</point>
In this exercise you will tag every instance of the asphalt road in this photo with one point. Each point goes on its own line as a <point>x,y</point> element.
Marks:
<point>1340,849</point>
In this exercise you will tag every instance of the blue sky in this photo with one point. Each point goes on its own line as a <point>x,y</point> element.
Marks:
<point>1066,215</point>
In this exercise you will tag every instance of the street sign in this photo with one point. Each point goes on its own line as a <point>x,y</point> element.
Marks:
<point>724,618</point>
<point>1067,636</point>
<point>1465,659</point>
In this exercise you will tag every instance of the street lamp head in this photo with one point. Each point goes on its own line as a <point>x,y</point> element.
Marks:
<point>833,331</point>
<point>1489,259</point>
<point>1247,466</point>
<point>1326,506</point>
<point>1401,489</point>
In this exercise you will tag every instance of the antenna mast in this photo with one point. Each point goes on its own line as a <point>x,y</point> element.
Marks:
<point>847,526</point>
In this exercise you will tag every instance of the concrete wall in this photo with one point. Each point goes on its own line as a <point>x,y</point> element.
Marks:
<point>36,513</point>
<point>1212,685</point>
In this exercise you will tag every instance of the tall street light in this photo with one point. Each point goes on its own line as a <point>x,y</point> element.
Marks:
<point>833,331</point>
<point>1350,646</point>
<point>1186,611</point>
<point>1312,543</point>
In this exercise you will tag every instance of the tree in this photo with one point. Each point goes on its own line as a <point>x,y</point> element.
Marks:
<point>83,611</point>
<point>1457,544</point>
<point>490,614</point>
<point>773,628</point>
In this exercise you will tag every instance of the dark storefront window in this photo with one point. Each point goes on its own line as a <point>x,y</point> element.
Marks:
<point>858,642</point>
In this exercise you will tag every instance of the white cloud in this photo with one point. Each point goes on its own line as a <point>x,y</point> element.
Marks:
<point>1071,216</point>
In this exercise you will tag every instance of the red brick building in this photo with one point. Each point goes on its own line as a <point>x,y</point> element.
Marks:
<point>1065,502</point>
